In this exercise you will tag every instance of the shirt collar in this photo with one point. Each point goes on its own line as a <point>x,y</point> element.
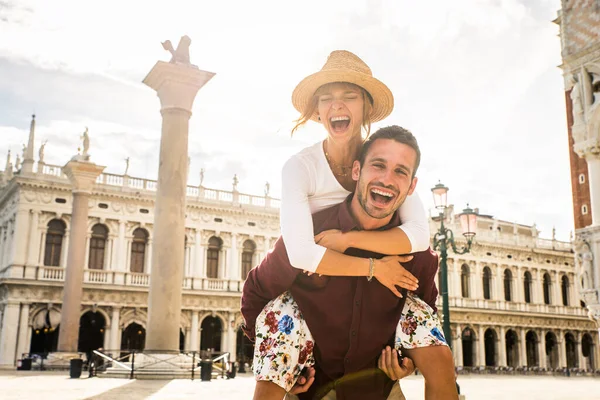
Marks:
<point>349,223</point>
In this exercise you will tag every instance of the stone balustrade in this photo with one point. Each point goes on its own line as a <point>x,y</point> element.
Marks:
<point>501,305</point>
<point>101,277</point>
<point>198,193</point>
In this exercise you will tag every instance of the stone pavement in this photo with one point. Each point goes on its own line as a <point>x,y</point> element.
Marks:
<point>58,386</point>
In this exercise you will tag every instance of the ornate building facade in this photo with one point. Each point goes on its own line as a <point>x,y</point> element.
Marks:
<point>513,298</point>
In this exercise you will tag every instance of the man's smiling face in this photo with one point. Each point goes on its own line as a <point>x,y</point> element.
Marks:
<point>385,178</point>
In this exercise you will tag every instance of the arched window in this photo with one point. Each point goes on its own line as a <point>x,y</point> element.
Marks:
<point>98,246</point>
<point>212,257</point>
<point>247,257</point>
<point>138,250</point>
<point>487,283</point>
<point>54,239</point>
<point>564,285</point>
<point>547,287</point>
<point>464,280</point>
<point>527,286</point>
<point>507,285</point>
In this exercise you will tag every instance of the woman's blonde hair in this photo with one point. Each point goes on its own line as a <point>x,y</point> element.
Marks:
<point>314,103</point>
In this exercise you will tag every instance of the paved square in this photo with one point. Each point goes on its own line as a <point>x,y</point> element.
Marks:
<point>55,386</point>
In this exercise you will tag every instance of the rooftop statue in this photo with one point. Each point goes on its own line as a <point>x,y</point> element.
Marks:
<point>182,54</point>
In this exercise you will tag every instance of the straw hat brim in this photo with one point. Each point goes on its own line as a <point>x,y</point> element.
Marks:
<point>383,100</point>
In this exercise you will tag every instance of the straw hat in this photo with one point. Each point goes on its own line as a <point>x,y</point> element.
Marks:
<point>343,66</point>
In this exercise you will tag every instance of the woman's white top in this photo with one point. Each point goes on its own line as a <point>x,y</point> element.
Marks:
<point>308,186</point>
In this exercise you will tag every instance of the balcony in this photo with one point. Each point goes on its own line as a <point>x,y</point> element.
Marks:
<point>501,305</point>
<point>130,279</point>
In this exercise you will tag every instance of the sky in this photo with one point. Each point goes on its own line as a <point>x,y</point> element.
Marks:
<point>476,81</point>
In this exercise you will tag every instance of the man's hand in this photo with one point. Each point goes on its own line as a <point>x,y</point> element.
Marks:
<point>388,363</point>
<point>305,380</point>
<point>333,239</point>
<point>390,274</point>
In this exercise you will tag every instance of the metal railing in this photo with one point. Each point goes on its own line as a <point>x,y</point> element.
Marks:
<point>124,361</point>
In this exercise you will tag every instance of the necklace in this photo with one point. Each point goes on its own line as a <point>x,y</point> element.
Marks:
<point>346,169</point>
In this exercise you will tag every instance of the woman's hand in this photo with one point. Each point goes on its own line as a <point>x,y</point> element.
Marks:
<point>390,273</point>
<point>333,239</point>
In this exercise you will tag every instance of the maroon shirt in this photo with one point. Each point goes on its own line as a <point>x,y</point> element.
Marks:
<point>351,319</point>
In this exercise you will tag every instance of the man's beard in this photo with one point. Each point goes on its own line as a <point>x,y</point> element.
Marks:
<point>363,194</point>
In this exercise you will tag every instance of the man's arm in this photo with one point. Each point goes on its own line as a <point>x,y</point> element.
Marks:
<point>427,266</point>
<point>273,276</point>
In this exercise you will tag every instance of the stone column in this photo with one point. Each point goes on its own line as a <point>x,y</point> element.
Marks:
<point>562,352</point>
<point>176,85</point>
<point>542,349</point>
<point>231,337</point>
<point>121,252</point>
<point>82,175</point>
<point>34,239</point>
<point>8,335</point>
<point>18,241</point>
<point>195,339</point>
<point>457,348</point>
<point>502,348</point>
<point>65,250</point>
<point>519,290</point>
<point>22,343</point>
<point>114,329</point>
<point>234,259</point>
<point>199,265</point>
<point>580,358</point>
<point>523,349</point>
<point>481,347</point>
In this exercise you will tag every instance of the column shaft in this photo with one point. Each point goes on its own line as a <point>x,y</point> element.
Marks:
<point>114,329</point>
<point>34,239</point>
<point>22,343</point>
<point>164,299</point>
<point>68,335</point>
<point>502,348</point>
<point>8,335</point>
<point>481,348</point>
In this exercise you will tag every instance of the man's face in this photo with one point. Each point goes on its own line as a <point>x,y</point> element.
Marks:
<point>385,178</point>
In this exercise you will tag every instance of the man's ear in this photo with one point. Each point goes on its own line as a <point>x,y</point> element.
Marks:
<point>355,171</point>
<point>413,185</point>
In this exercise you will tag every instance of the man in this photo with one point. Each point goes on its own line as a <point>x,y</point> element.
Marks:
<point>347,323</point>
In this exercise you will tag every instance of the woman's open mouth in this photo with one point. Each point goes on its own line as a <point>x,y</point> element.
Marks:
<point>339,124</point>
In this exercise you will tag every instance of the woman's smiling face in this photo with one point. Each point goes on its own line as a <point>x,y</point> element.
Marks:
<point>340,108</point>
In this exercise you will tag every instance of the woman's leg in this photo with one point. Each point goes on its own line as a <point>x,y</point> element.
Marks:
<point>283,348</point>
<point>419,336</point>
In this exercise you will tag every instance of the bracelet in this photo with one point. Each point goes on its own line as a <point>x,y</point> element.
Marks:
<point>371,269</point>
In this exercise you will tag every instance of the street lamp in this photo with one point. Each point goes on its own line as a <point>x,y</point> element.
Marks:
<point>444,238</point>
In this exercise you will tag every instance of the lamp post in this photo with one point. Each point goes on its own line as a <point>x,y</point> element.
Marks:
<point>443,239</point>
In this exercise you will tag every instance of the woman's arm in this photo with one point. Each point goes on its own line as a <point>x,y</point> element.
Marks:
<point>298,235</point>
<point>410,237</point>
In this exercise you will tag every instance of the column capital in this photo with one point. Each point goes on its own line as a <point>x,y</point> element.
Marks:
<point>82,175</point>
<point>176,84</point>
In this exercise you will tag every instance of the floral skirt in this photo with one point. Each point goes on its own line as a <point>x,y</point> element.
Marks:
<point>284,344</point>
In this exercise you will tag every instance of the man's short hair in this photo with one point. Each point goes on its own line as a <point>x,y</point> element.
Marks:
<point>393,132</point>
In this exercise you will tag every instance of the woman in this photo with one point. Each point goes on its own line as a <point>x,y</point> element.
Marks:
<point>345,98</point>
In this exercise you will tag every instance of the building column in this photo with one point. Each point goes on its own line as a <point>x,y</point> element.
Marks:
<point>195,337</point>
<point>234,259</point>
<point>22,343</point>
<point>82,175</point>
<point>199,265</point>
<point>65,249</point>
<point>519,291</point>
<point>19,239</point>
<point>500,286</point>
<point>34,239</point>
<point>115,332</point>
<point>148,261</point>
<point>580,358</point>
<point>176,86</point>
<point>8,335</point>
<point>457,340</point>
<point>562,353</point>
<point>542,349</point>
<point>121,254</point>
<point>455,288</point>
<point>481,347</point>
<point>523,345</point>
<point>108,260</point>
<point>502,348</point>
<point>557,289</point>
<point>476,284</point>
<point>231,337</point>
